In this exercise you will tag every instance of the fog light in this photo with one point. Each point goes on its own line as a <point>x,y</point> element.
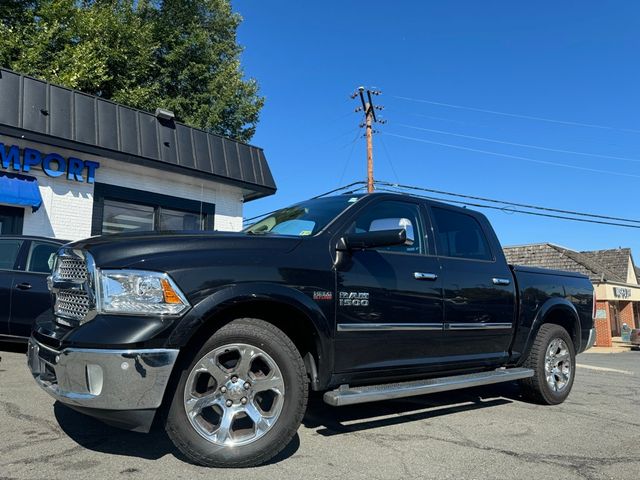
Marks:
<point>94,379</point>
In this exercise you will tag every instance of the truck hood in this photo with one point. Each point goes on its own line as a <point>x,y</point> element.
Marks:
<point>124,250</point>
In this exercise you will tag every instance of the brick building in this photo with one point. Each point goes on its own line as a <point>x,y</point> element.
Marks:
<point>74,165</point>
<point>612,272</point>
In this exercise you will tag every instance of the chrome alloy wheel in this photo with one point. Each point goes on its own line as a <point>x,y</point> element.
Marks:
<point>234,395</point>
<point>557,365</point>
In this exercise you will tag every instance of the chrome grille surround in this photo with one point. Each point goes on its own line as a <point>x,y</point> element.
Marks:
<point>73,286</point>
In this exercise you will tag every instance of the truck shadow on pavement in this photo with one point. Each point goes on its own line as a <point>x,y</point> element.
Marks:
<point>331,421</point>
<point>97,436</point>
<point>326,420</point>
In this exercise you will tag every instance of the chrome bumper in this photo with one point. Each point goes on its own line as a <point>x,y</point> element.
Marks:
<point>592,339</point>
<point>102,379</point>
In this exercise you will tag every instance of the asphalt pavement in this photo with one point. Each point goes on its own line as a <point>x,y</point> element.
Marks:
<point>481,433</point>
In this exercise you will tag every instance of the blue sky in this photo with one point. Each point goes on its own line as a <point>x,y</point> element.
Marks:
<point>573,61</point>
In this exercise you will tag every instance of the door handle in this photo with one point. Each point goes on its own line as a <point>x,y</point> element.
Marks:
<point>424,276</point>
<point>501,281</point>
<point>23,286</point>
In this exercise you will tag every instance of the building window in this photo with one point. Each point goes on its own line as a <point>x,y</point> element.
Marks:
<point>176,220</point>
<point>121,210</point>
<point>120,217</point>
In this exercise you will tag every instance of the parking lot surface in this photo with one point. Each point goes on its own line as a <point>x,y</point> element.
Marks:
<point>481,433</point>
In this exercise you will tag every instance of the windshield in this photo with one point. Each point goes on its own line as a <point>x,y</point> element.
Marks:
<point>302,219</point>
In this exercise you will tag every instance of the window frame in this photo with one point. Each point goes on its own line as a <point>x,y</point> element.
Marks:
<point>423,224</point>
<point>436,235</point>
<point>157,201</point>
<point>19,260</point>
<point>28,253</point>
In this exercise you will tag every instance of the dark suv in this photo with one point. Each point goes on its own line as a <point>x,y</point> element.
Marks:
<point>25,263</point>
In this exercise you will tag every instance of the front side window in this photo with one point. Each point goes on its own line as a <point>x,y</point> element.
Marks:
<point>9,253</point>
<point>460,235</point>
<point>392,215</point>
<point>303,219</point>
<point>41,257</point>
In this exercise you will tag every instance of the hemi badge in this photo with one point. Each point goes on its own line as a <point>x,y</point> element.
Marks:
<point>322,296</point>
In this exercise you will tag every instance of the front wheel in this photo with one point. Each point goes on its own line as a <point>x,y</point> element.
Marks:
<point>553,360</point>
<point>240,399</point>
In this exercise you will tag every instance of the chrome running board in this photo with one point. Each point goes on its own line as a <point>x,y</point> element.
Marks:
<point>345,395</point>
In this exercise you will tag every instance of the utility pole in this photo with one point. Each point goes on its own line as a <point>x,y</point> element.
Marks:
<point>370,118</point>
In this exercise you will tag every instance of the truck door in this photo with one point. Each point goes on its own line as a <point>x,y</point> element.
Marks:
<point>479,295</point>
<point>389,300</point>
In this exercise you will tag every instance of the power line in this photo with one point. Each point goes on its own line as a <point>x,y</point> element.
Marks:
<point>386,151</point>
<point>505,202</point>
<point>395,188</point>
<point>346,164</point>
<point>516,115</point>
<point>516,157</point>
<point>537,214</point>
<point>361,183</point>
<point>526,145</point>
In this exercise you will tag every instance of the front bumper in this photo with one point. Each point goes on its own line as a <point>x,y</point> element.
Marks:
<point>102,380</point>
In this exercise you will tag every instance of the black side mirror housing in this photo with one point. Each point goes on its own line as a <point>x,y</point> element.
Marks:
<point>380,238</point>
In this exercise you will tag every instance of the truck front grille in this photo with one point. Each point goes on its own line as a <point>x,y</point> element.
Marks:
<point>72,286</point>
<point>72,269</point>
<point>72,304</point>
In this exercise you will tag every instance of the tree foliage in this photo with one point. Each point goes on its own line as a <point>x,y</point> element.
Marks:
<point>177,54</point>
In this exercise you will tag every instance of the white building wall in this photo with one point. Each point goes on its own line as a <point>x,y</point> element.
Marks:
<point>67,208</point>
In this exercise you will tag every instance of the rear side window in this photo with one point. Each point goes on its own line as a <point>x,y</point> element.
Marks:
<point>41,257</point>
<point>460,235</point>
<point>9,253</point>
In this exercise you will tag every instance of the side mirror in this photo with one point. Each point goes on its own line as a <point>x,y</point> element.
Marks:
<point>379,238</point>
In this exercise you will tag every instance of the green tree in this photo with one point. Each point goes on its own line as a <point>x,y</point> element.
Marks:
<point>177,54</point>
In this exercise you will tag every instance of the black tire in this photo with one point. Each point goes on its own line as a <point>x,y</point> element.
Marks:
<point>283,352</point>
<point>537,388</point>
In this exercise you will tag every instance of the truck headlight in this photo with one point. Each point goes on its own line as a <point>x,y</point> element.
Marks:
<point>139,292</point>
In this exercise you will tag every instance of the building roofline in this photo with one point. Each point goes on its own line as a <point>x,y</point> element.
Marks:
<point>41,111</point>
<point>593,266</point>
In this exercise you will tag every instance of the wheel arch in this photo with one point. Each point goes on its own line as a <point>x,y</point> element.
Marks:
<point>558,311</point>
<point>290,310</point>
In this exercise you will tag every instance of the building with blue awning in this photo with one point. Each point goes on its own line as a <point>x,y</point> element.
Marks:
<point>74,165</point>
<point>20,190</point>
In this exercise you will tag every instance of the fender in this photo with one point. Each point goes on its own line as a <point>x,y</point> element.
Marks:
<point>236,294</point>
<point>549,307</point>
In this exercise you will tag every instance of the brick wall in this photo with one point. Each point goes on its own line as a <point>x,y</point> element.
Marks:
<point>66,211</point>
<point>626,314</point>
<point>603,326</point>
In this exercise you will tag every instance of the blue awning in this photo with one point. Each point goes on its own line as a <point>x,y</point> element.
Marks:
<point>20,190</point>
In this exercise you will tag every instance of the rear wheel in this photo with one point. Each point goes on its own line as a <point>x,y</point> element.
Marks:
<point>240,399</point>
<point>553,360</point>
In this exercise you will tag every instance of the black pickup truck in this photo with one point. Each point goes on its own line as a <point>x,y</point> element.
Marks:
<point>363,297</point>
